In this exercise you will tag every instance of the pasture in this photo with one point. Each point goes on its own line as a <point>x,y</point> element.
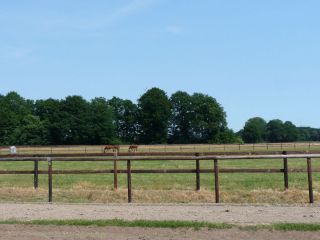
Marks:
<point>159,188</point>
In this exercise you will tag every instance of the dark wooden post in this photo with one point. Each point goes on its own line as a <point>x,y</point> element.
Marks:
<point>197,173</point>
<point>49,179</point>
<point>115,171</point>
<point>310,180</point>
<point>36,174</point>
<point>285,171</point>
<point>216,180</point>
<point>129,181</point>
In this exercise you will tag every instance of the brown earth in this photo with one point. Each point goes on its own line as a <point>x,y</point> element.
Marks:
<point>216,213</point>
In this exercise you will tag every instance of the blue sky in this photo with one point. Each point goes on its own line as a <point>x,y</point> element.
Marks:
<point>257,58</point>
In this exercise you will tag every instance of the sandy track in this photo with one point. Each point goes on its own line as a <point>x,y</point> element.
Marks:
<point>10,232</point>
<point>217,213</point>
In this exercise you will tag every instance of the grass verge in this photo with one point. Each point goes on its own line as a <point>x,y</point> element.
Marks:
<point>300,227</point>
<point>170,224</point>
<point>123,223</point>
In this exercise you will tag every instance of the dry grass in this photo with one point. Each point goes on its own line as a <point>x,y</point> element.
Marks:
<point>86,193</point>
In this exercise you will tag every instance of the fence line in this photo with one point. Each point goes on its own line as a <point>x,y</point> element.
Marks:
<point>168,148</point>
<point>135,157</point>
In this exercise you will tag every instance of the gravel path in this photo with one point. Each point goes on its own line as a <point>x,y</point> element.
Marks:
<point>217,213</point>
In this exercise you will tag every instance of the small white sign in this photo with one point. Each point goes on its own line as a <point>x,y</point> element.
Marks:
<point>13,150</point>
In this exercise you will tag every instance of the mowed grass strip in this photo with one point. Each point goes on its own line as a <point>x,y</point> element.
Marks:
<point>123,223</point>
<point>302,227</point>
<point>286,227</point>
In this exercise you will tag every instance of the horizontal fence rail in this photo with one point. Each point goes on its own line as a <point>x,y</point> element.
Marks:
<point>129,157</point>
<point>90,149</point>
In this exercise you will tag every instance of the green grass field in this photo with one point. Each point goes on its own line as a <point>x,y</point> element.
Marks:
<point>234,187</point>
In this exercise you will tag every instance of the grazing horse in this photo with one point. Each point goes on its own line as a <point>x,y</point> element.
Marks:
<point>133,148</point>
<point>111,147</point>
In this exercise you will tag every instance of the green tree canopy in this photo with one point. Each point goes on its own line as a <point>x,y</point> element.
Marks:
<point>100,127</point>
<point>13,110</point>
<point>180,130</point>
<point>75,119</point>
<point>126,119</point>
<point>275,131</point>
<point>255,130</point>
<point>154,113</point>
<point>290,132</point>
<point>49,112</point>
<point>209,119</point>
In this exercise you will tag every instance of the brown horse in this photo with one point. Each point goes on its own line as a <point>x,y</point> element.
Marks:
<point>111,147</point>
<point>133,148</point>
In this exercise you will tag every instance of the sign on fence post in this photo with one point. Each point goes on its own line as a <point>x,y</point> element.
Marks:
<point>13,150</point>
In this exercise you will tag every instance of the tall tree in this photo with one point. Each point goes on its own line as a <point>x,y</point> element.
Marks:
<point>180,129</point>
<point>50,113</point>
<point>154,113</point>
<point>290,132</point>
<point>31,132</point>
<point>13,109</point>
<point>100,126</point>
<point>126,116</point>
<point>75,115</point>
<point>275,131</point>
<point>255,130</point>
<point>209,119</point>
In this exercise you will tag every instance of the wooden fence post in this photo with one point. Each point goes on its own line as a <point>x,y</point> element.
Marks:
<point>49,179</point>
<point>285,171</point>
<point>216,180</point>
<point>197,173</point>
<point>115,170</point>
<point>36,174</point>
<point>310,180</point>
<point>129,181</point>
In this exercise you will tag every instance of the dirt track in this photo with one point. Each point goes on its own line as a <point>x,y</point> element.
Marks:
<point>235,214</point>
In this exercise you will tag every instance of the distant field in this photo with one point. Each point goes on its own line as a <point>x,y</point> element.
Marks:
<point>304,146</point>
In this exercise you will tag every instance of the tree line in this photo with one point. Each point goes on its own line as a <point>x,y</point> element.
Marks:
<point>257,130</point>
<point>156,118</point>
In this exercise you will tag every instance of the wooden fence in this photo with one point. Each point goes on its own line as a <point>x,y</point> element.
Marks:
<point>129,157</point>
